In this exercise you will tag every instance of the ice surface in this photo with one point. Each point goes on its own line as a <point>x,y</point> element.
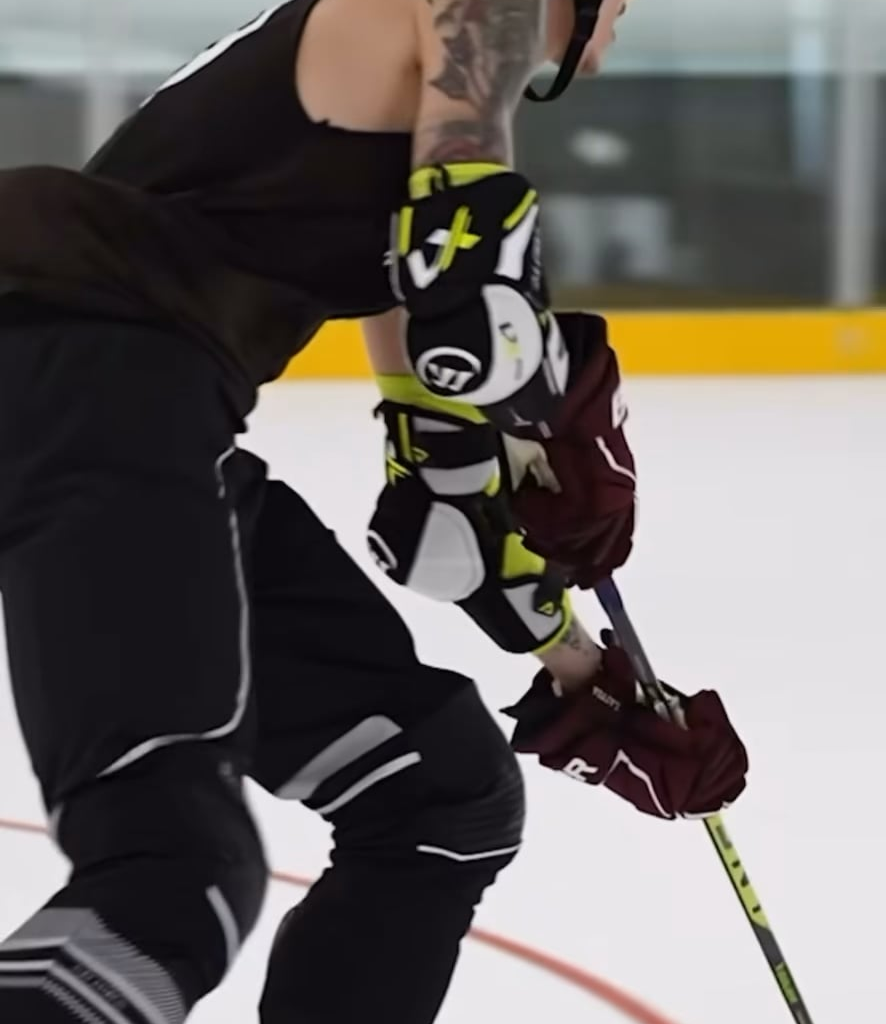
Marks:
<point>758,569</point>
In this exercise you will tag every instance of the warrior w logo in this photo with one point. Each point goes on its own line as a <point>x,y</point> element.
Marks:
<point>448,369</point>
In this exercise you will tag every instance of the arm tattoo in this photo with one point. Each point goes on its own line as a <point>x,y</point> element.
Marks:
<point>576,639</point>
<point>462,140</point>
<point>574,661</point>
<point>489,48</point>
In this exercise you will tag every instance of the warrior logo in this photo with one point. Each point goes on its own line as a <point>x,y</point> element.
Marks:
<point>448,369</point>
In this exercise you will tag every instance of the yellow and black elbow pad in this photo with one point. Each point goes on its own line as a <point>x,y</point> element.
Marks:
<point>467,268</point>
<point>442,527</point>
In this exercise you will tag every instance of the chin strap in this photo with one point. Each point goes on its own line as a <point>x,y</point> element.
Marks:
<point>586,14</point>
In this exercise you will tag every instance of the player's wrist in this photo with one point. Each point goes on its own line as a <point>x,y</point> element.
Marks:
<point>572,657</point>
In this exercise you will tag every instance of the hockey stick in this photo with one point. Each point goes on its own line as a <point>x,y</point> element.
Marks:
<point>610,598</point>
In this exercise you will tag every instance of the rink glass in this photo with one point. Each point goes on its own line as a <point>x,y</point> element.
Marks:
<point>698,172</point>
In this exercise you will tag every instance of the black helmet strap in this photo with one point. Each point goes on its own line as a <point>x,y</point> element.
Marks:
<point>586,14</point>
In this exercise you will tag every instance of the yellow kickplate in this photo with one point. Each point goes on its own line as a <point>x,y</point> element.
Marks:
<point>746,342</point>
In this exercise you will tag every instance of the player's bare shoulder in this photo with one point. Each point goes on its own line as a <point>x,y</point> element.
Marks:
<point>358,64</point>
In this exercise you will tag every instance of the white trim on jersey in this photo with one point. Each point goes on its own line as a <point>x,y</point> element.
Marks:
<point>215,51</point>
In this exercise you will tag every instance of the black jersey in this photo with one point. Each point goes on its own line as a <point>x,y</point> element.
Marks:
<point>218,207</point>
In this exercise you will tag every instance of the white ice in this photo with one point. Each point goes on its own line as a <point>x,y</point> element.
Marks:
<point>759,569</point>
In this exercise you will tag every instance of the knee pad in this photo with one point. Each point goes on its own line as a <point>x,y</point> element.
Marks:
<point>424,818</point>
<point>476,808</point>
<point>456,804</point>
<point>415,850</point>
<point>168,870</point>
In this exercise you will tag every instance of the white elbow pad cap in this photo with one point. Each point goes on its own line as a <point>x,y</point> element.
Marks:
<point>448,564</point>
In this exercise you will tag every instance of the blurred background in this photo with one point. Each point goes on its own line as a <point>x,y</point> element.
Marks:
<point>733,155</point>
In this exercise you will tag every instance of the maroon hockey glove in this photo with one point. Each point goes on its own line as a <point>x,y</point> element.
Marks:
<point>605,736</point>
<point>588,528</point>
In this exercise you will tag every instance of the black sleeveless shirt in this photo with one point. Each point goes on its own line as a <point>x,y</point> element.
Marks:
<point>219,209</point>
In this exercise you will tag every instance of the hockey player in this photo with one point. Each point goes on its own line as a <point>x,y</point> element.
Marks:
<point>175,621</point>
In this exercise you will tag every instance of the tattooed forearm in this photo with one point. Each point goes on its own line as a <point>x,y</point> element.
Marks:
<point>576,639</point>
<point>461,139</point>
<point>485,53</point>
<point>574,660</point>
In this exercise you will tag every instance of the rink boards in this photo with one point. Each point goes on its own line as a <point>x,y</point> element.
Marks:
<point>754,342</point>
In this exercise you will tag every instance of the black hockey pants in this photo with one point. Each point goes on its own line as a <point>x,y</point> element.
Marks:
<point>174,622</point>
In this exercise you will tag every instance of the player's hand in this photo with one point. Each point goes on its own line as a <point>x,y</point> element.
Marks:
<point>604,735</point>
<point>587,526</point>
